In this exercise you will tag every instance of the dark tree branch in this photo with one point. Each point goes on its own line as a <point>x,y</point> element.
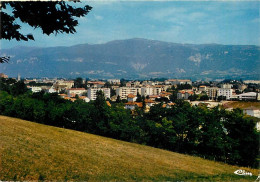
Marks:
<point>52,17</point>
<point>4,59</point>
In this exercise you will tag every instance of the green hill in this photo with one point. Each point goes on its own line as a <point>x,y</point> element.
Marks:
<point>31,151</point>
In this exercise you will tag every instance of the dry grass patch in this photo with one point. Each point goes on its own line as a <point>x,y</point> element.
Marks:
<point>241,104</point>
<point>31,151</point>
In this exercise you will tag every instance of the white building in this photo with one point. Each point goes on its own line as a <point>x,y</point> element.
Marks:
<point>152,90</point>
<point>114,81</point>
<point>178,81</point>
<point>203,88</point>
<point>52,90</point>
<point>147,91</point>
<point>184,94</point>
<point>68,84</point>
<point>252,81</point>
<point>255,112</point>
<point>131,98</point>
<point>92,93</point>
<point>226,92</point>
<point>35,89</point>
<point>76,91</point>
<point>248,96</point>
<point>228,86</point>
<point>123,92</point>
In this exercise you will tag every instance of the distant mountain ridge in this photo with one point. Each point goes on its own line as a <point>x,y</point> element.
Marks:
<point>135,59</point>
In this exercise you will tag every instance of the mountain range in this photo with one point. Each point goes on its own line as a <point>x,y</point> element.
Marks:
<point>135,59</point>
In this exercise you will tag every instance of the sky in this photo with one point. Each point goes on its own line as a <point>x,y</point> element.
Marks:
<point>194,22</point>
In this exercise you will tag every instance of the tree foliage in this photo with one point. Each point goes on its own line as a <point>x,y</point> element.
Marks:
<point>52,17</point>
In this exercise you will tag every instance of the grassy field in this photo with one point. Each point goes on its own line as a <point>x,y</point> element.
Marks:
<point>31,151</point>
<point>241,104</point>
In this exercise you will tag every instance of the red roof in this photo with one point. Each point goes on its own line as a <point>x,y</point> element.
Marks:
<point>154,96</point>
<point>148,101</point>
<point>171,104</point>
<point>183,92</point>
<point>77,89</point>
<point>166,93</point>
<point>82,97</point>
<point>100,83</point>
<point>131,96</point>
<point>139,104</point>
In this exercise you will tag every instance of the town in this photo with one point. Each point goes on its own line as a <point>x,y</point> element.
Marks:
<point>146,93</point>
<point>129,91</point>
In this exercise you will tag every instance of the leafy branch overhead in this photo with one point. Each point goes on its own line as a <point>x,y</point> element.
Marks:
<point>4,59</point>
<point>52,17</point>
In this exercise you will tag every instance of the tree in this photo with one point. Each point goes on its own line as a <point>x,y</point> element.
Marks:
<point>220,98</point>
<point>204,97</point>
<point>18,88</point>
<point>51,16</point>
<point>78,83</point>
<point>118,99</point>
<point>244,138</point>
<point>184,86</point>
<point>193,97</point>
<point>139,98</point>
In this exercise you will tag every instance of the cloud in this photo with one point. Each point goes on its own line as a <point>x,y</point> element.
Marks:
<point>171,33</point>
<point>163,13</point>
<point>256,20</point>
<point>110,63</point>
<point>97,17</point>
<point>196,15</point>
<point>80,60</point>
<point>63,59</point>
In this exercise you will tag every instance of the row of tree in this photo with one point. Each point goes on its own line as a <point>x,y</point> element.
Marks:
<point>215,134</point>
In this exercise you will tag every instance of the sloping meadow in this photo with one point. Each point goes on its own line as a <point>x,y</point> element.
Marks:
<point>31,151</point>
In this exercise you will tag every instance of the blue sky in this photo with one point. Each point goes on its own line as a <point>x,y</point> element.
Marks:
<point>196,22</point>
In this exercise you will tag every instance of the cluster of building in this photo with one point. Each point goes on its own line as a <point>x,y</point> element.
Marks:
<point>225,91</point>
<point>152,91</point>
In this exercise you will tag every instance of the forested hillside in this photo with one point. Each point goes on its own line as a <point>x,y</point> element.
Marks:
<point>137,59</point>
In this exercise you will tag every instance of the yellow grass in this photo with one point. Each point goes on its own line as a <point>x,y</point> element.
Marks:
<point>31,151</point>
<point>241,104</point>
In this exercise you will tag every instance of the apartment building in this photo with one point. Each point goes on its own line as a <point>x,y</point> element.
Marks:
<point>184,94</point>
<point>178,81</point>
<point>114,81</point>
<point>147,91</point>
<point>226,92</point>
<point>123,92</point>
<point>92,93</point>
<point>212,92</point>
